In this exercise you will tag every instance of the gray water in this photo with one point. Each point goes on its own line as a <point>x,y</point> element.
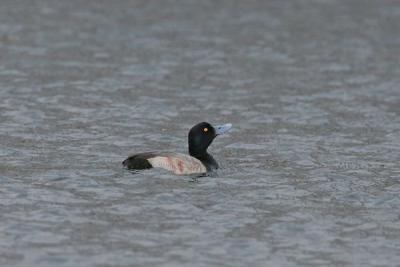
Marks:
<point>309,174</point>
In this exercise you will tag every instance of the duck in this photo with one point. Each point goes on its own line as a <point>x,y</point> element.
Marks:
<point>199,161</point>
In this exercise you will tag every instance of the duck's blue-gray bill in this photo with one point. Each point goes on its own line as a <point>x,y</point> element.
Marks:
<point>221,129</point>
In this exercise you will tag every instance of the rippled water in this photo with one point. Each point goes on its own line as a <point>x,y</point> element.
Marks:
<point>310,172</point>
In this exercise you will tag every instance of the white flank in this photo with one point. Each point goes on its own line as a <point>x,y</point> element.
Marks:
<point>178,163</point>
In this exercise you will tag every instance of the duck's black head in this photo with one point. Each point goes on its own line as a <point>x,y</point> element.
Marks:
<point>201,136</point>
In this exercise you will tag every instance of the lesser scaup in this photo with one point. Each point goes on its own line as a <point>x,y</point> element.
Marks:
<point>200,137</point>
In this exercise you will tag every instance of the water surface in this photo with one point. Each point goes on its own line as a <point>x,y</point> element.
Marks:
<point>309,174</point>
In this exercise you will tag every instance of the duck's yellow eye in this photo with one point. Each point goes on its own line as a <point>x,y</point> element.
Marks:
<point>205,130</point>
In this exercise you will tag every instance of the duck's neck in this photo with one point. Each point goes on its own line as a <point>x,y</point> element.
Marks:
<point>209,162</point>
